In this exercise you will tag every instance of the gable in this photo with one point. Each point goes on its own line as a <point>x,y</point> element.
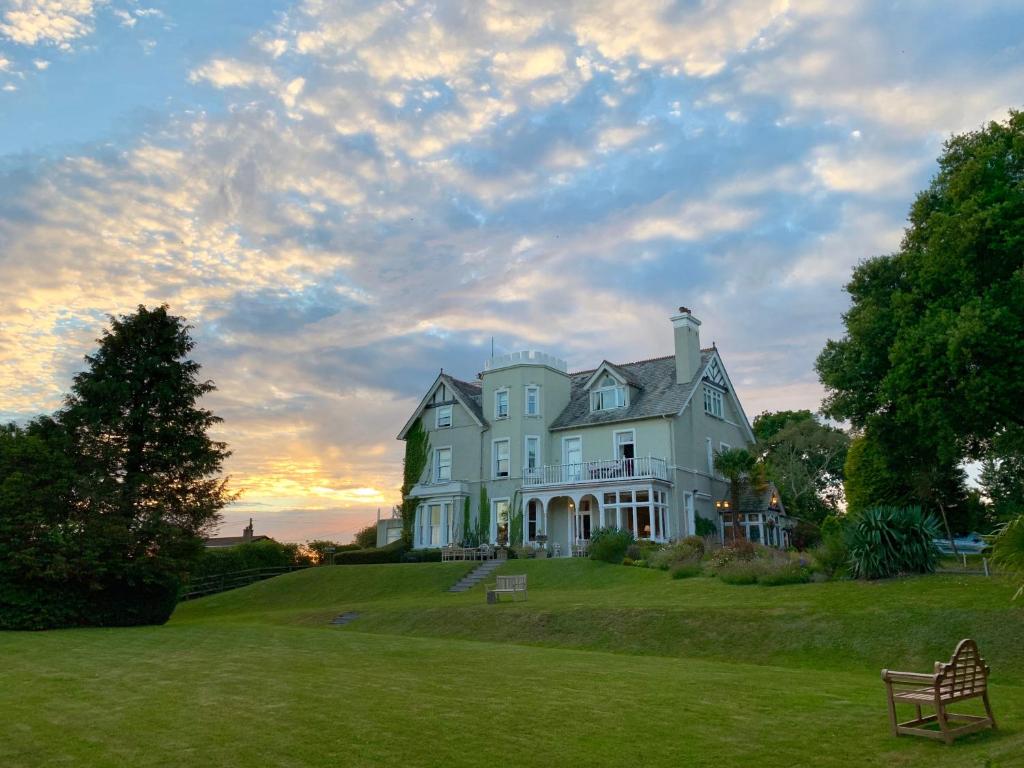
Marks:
<point>446,390</point>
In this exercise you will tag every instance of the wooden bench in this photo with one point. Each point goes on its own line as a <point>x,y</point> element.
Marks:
<point>507,585</point>
<point>964,676</point>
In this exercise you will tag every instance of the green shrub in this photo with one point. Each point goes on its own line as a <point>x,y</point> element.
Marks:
<point>242,557</point>
<point>390,553</point>
<point>696,543</point>
<point>422,556</point>
<point>685,569</point>
<point>888,541</point>
<point>1008,549</point>
<point>832,556</point>
<point>627,561</point>
<point>738,572</point>
<point>609,545</point>
<point>784,572</point>
<point>705,527</point>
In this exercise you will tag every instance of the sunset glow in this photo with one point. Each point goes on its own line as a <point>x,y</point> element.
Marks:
<point>343,198</point>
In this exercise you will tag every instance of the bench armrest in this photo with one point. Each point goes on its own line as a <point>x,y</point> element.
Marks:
<point>916,678</point>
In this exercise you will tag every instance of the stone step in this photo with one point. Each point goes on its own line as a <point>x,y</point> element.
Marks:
<point>477,575</point>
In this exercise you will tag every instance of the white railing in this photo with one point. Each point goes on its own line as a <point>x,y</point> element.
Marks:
<point>587,472</point>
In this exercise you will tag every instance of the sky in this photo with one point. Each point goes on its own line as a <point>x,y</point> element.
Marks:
<point>344,197</point>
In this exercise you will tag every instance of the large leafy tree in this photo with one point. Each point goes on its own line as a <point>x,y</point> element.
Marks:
<point>40,548</point>
<point>805,460</point>
<point>931,367</point>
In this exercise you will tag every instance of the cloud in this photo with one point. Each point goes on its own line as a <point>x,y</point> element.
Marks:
<point>366,192</point>
<point>56,22</point>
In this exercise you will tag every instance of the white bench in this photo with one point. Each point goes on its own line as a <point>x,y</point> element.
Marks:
<point>507,585</point>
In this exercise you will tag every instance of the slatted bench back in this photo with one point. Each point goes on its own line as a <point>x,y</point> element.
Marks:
<point>511,582</point>
<point>966,674</point>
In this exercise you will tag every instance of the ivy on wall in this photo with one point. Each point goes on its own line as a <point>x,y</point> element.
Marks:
<point>417,450</point>
<point>483,520</point>
<point>515,536</point>
<point>468,534</point>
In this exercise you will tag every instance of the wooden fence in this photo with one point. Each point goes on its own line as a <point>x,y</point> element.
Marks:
<point>211,585</point>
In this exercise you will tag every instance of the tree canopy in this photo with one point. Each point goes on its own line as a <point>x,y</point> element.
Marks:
<point>931,367</point>
<point>107,501</point>
<point>805,459</point>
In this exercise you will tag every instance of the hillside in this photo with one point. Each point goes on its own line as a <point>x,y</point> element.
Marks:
<point>603,665</point>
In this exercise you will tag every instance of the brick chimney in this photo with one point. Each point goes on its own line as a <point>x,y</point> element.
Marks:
<point>247,532</point>
<point>687,337</point>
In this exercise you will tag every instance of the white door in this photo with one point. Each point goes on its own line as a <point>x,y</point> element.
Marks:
<point>572,458</point>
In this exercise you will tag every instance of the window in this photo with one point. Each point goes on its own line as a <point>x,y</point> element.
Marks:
<point>501,404</point>
<point>607,398</point>
<point>713,402</point>
<point>531,461</point>
<point>501,458</point>
<point>442,464</point>
<point>501,520</point>
<point>533,401</point>
<point>430,524</point>
<point>532,520</point>
<point>444,416</point>
<point>625,444</point>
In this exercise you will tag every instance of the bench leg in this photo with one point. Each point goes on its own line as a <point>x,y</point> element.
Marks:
<point>940,712</point>
<point>892,709</point>
<point>988,710</point>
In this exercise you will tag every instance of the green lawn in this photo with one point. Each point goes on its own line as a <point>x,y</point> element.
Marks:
<point>604,665</point>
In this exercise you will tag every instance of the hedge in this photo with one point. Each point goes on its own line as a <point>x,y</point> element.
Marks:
<point>390,553</point>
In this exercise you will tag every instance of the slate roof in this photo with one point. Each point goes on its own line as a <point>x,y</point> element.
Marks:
<point>658,393</point>
<point>470,392</point>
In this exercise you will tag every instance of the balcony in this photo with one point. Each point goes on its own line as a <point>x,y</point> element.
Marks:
<point>591,472</point>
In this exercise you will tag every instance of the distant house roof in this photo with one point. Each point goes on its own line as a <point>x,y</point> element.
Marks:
<point>658,392</point>
<point>218,542</point>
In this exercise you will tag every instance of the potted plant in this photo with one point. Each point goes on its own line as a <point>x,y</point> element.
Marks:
<point>542,550</point>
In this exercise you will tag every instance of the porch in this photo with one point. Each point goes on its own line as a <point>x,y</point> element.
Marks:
<point>566,519</point>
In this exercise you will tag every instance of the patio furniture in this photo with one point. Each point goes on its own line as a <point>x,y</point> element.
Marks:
<point>964,676</point>
<point>581,549</point>
<point>507,585</point>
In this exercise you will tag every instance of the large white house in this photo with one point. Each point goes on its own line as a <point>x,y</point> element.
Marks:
<point>629,445</point>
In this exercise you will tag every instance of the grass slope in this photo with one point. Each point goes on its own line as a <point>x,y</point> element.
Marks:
<point>701,674</point>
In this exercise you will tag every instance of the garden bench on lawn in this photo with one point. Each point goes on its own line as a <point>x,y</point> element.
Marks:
<point>507,585</point>
<point>965,676</point>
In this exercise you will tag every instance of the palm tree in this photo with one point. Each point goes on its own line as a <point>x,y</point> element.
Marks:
<point>739,466</point>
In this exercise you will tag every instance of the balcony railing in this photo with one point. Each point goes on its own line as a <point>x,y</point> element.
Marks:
<point>588,472</point>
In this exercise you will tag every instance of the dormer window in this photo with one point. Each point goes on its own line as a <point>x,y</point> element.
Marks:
<point>609,394</point>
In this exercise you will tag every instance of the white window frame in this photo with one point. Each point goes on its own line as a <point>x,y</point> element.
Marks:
<point>508,403</point>
<point>620,398</point>
<point>494,518</point>
<point>437,417</point>
<point>714,402</point>
<point>615,441</point>
<point>535,389</point>
<point>494,458</point>
<point>537,513</point>
<point>437,464</point>
<point>526,455</point>
<point>565,463</point>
